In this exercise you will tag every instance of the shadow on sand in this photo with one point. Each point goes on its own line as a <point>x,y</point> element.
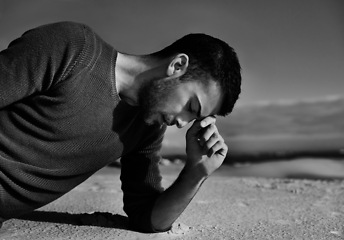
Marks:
<point>99,219</point>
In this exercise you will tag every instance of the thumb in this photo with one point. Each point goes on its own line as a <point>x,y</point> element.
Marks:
<point>194,129</point>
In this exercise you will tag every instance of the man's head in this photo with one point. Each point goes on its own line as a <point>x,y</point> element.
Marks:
<point>202,67</point>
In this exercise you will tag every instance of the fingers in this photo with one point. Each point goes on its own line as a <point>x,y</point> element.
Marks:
<point>207,136</point>
<point>208,142</point>
<point>207,133</point>
<point>207,121</point>
<point>218,148</point>
<point>199,124</point>
<point>212,141</point>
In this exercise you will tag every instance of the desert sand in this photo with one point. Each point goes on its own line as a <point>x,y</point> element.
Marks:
<point>234,203</point>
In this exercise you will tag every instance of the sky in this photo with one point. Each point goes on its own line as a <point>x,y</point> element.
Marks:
<point>289,50</point>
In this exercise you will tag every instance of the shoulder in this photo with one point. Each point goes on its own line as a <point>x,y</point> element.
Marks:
<point>60,31</point>
<point>64,40</point>
<point>67,46</point>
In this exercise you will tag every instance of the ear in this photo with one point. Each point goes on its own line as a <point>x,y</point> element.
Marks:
<point>178,65</point>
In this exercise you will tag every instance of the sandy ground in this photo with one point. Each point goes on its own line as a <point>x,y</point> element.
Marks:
<point>229,206</point>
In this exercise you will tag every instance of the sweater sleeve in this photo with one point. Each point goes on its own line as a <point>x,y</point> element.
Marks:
<point>141,181</point>
<point>39,59</point>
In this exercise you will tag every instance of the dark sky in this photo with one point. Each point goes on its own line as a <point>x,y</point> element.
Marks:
<point>289,49</point>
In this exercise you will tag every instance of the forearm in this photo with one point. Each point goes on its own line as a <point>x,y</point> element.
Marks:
<point>205,150</point>
<point>172,202</point>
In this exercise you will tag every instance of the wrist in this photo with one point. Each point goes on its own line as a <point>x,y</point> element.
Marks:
<point>193,173</point>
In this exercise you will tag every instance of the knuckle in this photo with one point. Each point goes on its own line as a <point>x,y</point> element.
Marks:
<point>217,136</point>
<point>208,147</point>
<point>212,127</point>
<point>211,151</point>
<point>212,118</point>
<point>214,138</point>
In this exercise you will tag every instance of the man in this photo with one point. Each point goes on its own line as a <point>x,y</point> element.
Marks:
<point>70,104</point>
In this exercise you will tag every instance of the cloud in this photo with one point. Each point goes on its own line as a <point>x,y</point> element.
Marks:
<point>273,126</point>
<point>290,102</point>
<point>307,117</point>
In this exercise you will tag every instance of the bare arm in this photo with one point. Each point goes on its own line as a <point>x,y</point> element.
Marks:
<point>206,150</point>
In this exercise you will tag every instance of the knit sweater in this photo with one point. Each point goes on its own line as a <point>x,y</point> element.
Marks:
<point>61,120</point>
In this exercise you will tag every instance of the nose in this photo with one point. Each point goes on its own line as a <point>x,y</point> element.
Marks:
<point>182,121</point>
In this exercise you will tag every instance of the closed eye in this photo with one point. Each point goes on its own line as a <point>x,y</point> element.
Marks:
<point>190,107</point>
<point>194,107</point>
<point>193,111</point>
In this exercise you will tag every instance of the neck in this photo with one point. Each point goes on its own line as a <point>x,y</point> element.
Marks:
<point>134,71</point>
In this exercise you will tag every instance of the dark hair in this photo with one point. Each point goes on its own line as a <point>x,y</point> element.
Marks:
<point>210,56</point>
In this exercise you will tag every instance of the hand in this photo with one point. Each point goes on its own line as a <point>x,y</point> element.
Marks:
<point>206,150</point>
<point>205,147</point>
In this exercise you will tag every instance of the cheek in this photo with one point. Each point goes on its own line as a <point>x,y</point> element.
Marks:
<point>173,102</point>
<point>172,106</point>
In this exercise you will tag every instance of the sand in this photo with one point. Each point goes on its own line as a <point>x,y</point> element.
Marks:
<point>226,207</point>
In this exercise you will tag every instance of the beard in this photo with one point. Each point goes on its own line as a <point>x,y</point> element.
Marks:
<point>153,96</point>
